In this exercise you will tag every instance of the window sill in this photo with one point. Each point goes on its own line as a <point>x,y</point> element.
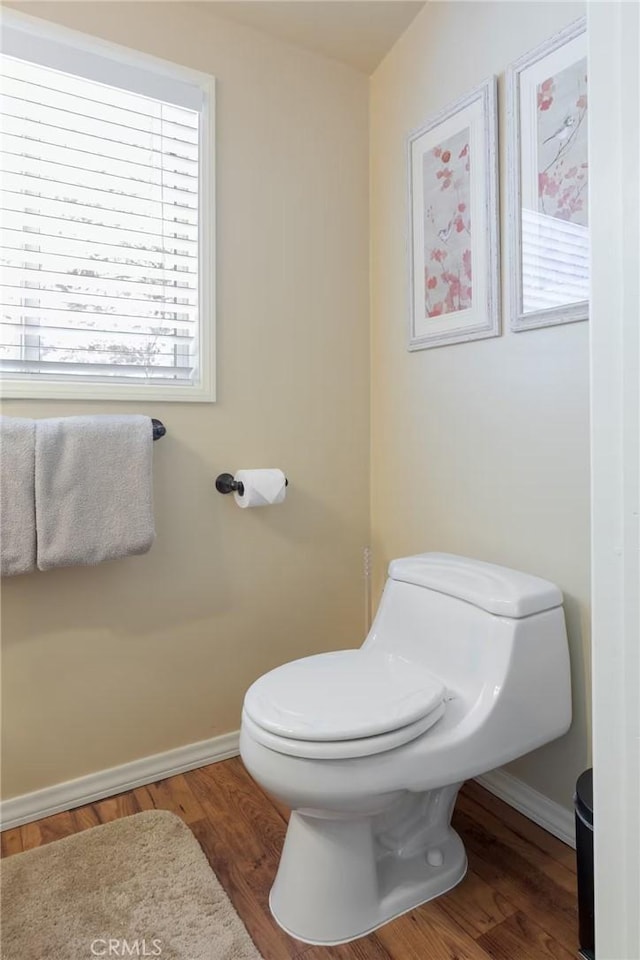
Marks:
<point>53,390</point>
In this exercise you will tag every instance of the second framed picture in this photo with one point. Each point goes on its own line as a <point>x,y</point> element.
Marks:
<point>453,223</point>
<point>548,167</point>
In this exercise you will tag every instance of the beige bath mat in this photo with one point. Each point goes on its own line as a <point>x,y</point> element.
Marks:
<point>137,887</point>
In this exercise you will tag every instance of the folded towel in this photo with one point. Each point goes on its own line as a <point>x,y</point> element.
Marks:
<point>93,489</point>
<point>17,507</point>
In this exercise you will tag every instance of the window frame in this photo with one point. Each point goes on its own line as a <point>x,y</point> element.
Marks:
<point>33,387</point>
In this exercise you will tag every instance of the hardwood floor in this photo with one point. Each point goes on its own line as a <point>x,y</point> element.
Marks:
<point>517,902</point>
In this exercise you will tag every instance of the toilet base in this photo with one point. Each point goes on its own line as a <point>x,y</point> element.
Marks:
<point>340,879</point>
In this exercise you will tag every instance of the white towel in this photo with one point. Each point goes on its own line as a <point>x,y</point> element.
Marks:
<point>17,507</point>
<point>93,489</point>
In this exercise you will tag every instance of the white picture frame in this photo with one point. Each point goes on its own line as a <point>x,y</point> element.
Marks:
<point>547,164</point>
<point>454,254</point>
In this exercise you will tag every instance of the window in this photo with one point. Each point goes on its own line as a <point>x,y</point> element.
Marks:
<point>106,238</point>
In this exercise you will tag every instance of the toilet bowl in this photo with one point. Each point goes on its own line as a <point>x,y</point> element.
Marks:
<point>465,668</point>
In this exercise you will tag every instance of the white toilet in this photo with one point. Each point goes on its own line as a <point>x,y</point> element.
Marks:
<point>466,667</point>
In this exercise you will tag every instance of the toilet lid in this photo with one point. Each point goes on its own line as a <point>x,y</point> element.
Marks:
<point>341,749</point>
<point>343,696</point>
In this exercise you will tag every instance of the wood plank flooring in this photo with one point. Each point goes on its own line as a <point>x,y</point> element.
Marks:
<point>517,902</point>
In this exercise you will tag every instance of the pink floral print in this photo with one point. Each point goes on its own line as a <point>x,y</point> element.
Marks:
<point>562,145</point>
<point>447,227</point>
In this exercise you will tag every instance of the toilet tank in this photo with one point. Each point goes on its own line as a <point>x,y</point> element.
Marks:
<point>475,625</point>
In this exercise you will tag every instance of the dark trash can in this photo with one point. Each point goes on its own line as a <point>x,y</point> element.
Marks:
<point>583,802</point>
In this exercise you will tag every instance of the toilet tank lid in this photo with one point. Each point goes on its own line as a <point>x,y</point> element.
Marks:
<point>499,590</point>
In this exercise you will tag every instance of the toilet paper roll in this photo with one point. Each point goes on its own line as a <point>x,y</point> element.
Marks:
<point>261,487</point>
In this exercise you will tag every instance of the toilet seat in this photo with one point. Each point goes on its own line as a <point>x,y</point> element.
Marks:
<point>345,696</point>
<point>341,749</point>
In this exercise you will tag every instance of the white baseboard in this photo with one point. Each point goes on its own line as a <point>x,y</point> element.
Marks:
<point>107,783</point>
<point>545,812</point>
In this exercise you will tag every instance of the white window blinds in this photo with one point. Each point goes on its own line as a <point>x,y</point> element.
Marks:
<point>101,239</point>
<point>555,261</point>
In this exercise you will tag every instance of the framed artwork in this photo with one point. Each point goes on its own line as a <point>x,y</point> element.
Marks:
<point>548,165</point>
<point>454,290</point>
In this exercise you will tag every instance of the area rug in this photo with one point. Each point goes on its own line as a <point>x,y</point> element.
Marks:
<point>137,887</point>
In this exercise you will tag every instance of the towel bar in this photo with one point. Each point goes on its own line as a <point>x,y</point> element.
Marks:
<point>159,429</point>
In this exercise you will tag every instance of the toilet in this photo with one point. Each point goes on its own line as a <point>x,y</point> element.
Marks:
<point>466,667</point>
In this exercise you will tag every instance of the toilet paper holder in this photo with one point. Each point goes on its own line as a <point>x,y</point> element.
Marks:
<point>225,483</point>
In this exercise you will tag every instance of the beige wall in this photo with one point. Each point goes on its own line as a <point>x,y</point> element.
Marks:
<point>104,665</point>
<point>479,449</point>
